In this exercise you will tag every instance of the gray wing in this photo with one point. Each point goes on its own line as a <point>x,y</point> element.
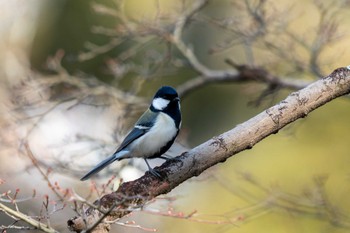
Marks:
<point>142,126</point>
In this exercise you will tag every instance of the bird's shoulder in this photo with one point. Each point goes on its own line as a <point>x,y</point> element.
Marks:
<point>147,119</point>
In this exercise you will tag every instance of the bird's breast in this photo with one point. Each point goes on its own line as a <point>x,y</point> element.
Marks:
<point>163,131</point>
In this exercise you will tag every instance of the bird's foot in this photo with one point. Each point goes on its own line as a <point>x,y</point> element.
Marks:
<point>152,171</point>
<point>156,174</point>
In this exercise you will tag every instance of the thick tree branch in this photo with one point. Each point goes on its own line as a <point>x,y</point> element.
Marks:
<point>192,163</point>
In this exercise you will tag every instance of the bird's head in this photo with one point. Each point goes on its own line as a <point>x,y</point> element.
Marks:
<point>164,97</point>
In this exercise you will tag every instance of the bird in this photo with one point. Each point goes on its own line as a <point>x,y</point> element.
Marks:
<point>153,133</point>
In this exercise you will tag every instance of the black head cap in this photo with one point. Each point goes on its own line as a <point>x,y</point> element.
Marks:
<point>166,92</point>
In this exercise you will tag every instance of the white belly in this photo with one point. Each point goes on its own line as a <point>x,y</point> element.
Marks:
<point>160,134</point>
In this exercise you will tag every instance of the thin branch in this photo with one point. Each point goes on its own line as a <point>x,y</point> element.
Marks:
<point>216,150</point>
<point>2,227</point>
<point>244,73</point>
<point>27,219</point>
<point>133,225</point>
<point>97,50</point>
<point>237,74</point>
<point>99,221</point>
<point>44,175</point>
<point>187,51</point>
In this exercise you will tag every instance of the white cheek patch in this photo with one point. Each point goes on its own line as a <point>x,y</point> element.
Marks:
<point>160,103</point>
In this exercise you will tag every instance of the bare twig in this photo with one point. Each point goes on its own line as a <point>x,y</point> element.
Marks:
<point>99,221</point>
<point>187,51</point>
<point>44,175</point>
<point>315,204</point>
<point>244,73</point>
<point>27,219</point>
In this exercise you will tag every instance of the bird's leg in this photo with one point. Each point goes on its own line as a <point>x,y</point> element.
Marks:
<point>151,170</point>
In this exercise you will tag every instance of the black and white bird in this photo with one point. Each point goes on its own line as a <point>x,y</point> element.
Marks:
<point>153,133</point>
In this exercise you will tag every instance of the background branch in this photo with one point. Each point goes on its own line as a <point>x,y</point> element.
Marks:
<point>238,73</point>
<point>244,136</point>
<point>32,222</point>
<point>244,73</point>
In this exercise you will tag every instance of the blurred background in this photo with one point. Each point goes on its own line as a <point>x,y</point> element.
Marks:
<point>76,74</point>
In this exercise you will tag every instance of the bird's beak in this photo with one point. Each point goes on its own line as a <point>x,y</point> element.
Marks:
<point>177,99</point>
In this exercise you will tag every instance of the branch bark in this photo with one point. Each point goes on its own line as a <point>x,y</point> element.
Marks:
<point>216,150</point>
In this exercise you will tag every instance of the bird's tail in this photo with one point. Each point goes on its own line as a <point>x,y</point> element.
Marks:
<point>102,165</point>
